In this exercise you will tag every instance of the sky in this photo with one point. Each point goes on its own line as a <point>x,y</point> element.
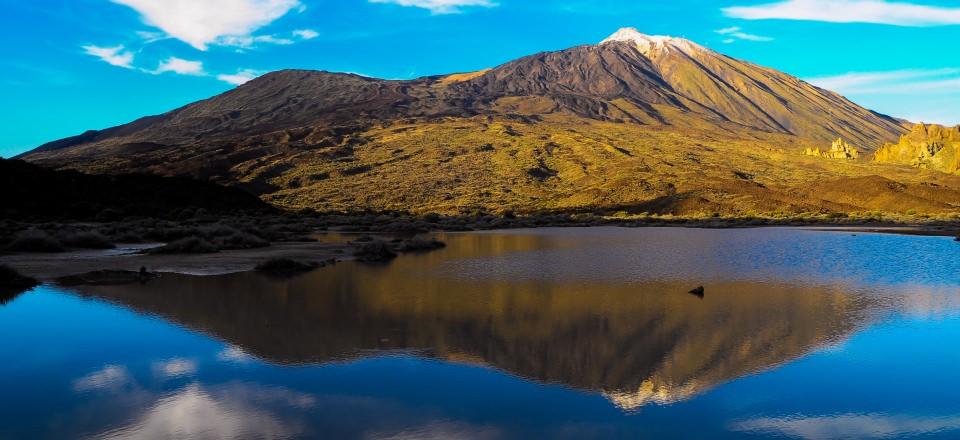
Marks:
<point>67,66</point>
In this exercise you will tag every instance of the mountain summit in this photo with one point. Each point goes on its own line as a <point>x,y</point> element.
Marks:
<point>650,45</point>
<point>332,140</point>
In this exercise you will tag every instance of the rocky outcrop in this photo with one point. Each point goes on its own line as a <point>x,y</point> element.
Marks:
<point>932,147</point>
<point>839,150</point>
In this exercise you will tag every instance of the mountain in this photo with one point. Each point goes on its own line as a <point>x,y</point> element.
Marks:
<point>638,122</point>
<point>637,344</point>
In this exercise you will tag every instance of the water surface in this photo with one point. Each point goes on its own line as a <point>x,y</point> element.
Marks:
<point>561,333</point>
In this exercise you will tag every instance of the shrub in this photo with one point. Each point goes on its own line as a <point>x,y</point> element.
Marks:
<point>108,215</point>
<point>240,240</point>
<point>88,240</point>
<point>375,252</point>
<point>9,277</point>
<point>12,284</point>
<point>420,245</point>
<point>285,265</point>
<point>34,240</point>
<point>128,237</point>
<point>188,245</point>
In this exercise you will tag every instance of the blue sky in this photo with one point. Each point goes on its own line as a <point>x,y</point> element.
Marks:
<point>72,65</point>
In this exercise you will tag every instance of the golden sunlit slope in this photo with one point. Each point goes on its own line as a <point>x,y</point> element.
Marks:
<point>636,123</point>
<point>567,163</point>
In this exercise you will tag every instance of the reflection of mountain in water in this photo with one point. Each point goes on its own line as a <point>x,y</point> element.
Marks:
<point>637,343</point>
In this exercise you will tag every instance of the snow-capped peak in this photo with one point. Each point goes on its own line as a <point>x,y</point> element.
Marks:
<point>647,44</point>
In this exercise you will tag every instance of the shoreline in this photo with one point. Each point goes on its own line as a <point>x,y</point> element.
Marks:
<point>330,245</point>
<point>47,267</point>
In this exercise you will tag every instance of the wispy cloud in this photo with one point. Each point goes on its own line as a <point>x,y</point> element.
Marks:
<point>177,367</point>
<point>866,426</point>
<point>203,23</point>
<point>735,33</point>
<point>249,41</point>
<point>850,11</point>
<point>306,34</point>
<point>241,77</point>
<point>181,66</point>
<point>115,56</point>
<point>110,376</point>
<point>440,6</point>
<point>891,82</point>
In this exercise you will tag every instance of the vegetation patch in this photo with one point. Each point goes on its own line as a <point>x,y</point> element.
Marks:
<point>34,240</point>
<point>87,240</point>
<point>188,245</point>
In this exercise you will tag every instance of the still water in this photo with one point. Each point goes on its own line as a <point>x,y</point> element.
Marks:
<point>548,333</point>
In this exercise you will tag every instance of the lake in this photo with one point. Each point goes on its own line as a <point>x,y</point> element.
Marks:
<point>549,333</point>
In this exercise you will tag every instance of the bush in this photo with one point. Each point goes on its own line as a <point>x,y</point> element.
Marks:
<point>375,252</point>
<point>420,245</point>
<point>12,284</point>
<point>285,265</point>
<point>128,237</point>
<point>34,240</point>
<point>240,240</point>
<point>9,277</point>
<point>188,245</point>
<point>88,240</point>
<point>108,215</point>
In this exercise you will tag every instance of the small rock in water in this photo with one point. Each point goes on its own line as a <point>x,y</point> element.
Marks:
<point>698,291</point>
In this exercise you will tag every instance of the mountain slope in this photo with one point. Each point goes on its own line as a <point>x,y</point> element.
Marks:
<point>633,121</point>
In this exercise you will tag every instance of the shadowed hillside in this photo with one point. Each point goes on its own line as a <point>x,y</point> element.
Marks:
<point>33,191</point>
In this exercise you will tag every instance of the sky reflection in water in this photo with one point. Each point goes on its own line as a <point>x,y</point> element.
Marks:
<point>571,333</point>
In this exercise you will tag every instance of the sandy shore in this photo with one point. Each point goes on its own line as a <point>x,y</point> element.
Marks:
<point>46,267</point>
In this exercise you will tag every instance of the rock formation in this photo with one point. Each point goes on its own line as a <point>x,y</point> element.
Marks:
<point>932,147</point>
<point>839,150</point>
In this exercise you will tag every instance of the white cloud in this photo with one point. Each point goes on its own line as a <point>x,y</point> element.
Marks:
<point>891,82</point>
<point>306,34</point>
<point>202,23</point>
<point>181,66</point>
<point>850,11</point>
<point>440,6</point>
<point>735,33</point>
<point>917,95</point>
<point>194,412</point>
<point>174,368</point>
<point>866,426</point>
<point>115,56</point>
<point>241,77</point>
<point>151,37</point>
<point>110,376</point>
<point>249,41</point>
<point>234,354</point>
